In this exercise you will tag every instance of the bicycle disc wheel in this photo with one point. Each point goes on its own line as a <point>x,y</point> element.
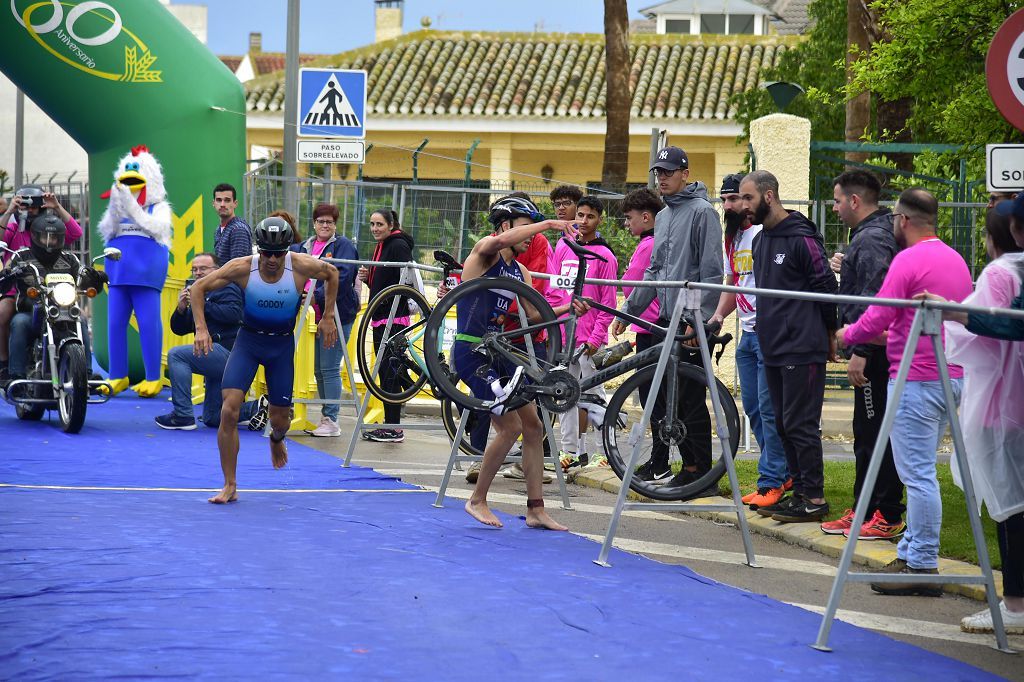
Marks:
<point>684,431</point>
<point>438,349</point>
<point>401,374</point>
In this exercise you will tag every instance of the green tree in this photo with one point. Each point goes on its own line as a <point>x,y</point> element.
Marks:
<point>817,65</point>
<point>936,58</point>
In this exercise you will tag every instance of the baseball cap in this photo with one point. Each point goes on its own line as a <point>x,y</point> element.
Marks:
<point>671,158</point>
<point>731,183</point>
<point>1012,207</point>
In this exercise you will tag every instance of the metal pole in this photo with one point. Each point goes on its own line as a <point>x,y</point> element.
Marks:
<point>291,108</point>
<point>655,141</point>
<point>19,138</point>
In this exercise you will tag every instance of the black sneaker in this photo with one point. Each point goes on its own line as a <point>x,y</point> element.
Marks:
<point>910,589</point>
<point>386,436</point>
<point>805,510</point>
<point>259,420</point>
<point>649,471</point>
<point>684,477</point>
<point>782,505</point>
<point>174,422</point>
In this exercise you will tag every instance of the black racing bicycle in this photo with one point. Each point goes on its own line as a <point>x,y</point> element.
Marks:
<point>686,433</point>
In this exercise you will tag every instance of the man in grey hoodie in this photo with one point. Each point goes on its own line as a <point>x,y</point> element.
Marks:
<point>687,246</point>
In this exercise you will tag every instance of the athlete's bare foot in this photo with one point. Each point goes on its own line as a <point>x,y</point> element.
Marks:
<point>228,494</point>
<point>538,518</point>
<point>482,513</point>
<point>278,454</point>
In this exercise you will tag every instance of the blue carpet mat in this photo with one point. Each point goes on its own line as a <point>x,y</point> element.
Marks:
<point>364,585</point>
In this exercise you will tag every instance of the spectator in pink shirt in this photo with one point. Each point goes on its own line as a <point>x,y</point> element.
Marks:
<point>924,264</point>
<point>30,200</point>
<point>591,327</point>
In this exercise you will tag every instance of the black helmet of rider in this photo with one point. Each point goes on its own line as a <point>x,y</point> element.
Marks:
<point>30,196</point>
<point>273,234</point>
<point>511,208</point>
<point>48,234</point>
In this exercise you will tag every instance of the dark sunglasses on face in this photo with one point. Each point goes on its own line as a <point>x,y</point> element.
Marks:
<point>272,254</point>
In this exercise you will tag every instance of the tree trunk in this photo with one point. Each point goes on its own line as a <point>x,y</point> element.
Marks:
<point>892,123</point>
<point>618,96</point>
<point>858,109</point>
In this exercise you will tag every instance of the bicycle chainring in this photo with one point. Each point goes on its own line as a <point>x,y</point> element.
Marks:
<point>567,391</point>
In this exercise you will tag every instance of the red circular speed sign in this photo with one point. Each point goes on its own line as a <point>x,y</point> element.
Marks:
<point>1004,69</point>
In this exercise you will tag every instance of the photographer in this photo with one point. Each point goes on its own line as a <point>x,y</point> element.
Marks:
<point>223,317</point>
<point>46,253</point>
<point>16,217</point>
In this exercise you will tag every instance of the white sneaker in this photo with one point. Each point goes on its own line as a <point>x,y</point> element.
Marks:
<point>516,473</point>
<point>982,621</point>
<point>327,429</point>
<point>319,424</point>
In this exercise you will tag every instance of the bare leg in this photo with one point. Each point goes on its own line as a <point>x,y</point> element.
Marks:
<point>533,467</point>
<point>506,430</point>
<point>280,420</point>
<point>6,313</point>
<point>227,442</point>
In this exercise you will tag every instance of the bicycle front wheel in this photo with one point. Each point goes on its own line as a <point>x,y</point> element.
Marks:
<point>687,430</point>
<point>441,352</point>
<point>401,373</point>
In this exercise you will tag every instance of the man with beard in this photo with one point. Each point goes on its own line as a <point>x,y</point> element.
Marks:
<point>687,247</point>
<point>796,339</point>
<point>773,472</point>
<point>863,267</point>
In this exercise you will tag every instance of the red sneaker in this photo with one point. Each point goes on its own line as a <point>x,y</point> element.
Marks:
<point>837,527</point>
<point>877,528</point>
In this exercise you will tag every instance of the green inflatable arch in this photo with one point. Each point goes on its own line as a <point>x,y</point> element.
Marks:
<point>120,73</point>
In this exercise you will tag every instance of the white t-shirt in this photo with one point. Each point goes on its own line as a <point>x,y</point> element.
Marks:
<point>739,261</point>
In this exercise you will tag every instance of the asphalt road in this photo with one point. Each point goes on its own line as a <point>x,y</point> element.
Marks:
<point>789,573</point>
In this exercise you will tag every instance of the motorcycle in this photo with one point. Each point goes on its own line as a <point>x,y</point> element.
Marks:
<point>58,377</point>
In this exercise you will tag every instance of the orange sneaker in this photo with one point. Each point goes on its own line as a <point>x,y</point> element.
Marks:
<point>837,527</point>
<point>877,528</point>
<point>788,485</point>
<point>748,497</point>
<point>766,497</point>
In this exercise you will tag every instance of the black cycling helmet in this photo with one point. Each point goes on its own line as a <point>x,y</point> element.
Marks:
<point>48,233</point>
<point>511,208</point>
<point>30,196</point>
<point>273,234</point>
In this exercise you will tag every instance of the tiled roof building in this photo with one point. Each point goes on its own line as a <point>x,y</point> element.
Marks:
<point>543,75</point>
<point>534,102</point>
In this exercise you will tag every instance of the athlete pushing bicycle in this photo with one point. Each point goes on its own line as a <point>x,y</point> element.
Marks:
<point>515,221</point>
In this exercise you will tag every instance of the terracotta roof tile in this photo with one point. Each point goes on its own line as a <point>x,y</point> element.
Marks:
<point>429,73</point>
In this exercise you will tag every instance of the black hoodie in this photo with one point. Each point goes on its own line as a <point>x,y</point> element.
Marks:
<point>791,257</point>
<point>865,262</point>
<point>395,248</point>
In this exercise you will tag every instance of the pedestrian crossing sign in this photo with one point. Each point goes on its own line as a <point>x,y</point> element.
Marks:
<point>332,103</point>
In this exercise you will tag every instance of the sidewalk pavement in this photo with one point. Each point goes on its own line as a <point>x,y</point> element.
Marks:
<point>874,554</point>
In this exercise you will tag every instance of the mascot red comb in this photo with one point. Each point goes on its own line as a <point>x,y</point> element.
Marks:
<point>138,222</point>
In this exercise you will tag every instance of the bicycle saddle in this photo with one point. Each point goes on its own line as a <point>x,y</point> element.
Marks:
<point>446,259</point>
<point>584,252</point>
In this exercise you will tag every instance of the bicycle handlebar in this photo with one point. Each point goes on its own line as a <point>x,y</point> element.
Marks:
<point>583,252</point>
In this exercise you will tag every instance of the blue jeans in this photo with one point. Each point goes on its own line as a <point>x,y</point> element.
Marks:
<point>22,336</point>
<point>182,363</point>
<point>757,403</point>
<point>327,371</point>
<point>917,431</point>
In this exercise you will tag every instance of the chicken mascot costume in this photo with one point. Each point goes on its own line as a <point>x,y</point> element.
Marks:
<point>138,222</point>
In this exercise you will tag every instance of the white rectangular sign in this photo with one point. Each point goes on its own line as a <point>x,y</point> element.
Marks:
<point>1004,167</point>
<point>331,151</point>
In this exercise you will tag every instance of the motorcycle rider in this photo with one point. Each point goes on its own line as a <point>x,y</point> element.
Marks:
<point>46,252</point>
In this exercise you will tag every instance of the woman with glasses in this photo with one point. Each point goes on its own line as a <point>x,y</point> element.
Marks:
<point>326,243</point>
<point>393,246</point>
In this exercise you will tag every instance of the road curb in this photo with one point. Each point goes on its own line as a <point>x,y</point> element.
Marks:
<point>872,554</point>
